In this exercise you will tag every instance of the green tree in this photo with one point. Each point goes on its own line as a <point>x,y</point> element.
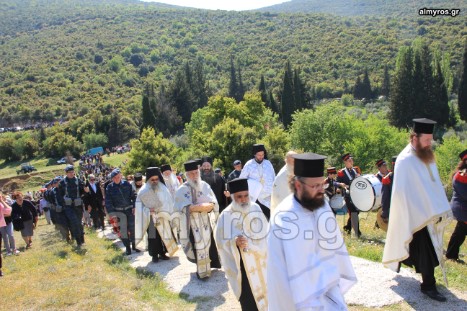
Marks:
<point>95,140</point>
<point>150,149</point>
<point>59,144</point>
<point>386,87</point>
<point>287,96</point>
<point>233,84</point>
<point>263,91</point>
<point>402,96</point>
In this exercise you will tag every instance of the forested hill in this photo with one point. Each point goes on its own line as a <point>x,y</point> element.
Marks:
<point>390,8</point>
<point>60,59</point>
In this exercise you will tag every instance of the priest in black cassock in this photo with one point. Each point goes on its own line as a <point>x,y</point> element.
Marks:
<point>214,180</point>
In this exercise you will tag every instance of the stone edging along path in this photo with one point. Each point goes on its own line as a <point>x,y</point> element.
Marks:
<point>376,287</point>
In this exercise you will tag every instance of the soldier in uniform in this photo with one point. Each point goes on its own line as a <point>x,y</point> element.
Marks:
<point>346,175</point>
<point>120,202</point>
<point>237,164</point>
<point>69,192</point>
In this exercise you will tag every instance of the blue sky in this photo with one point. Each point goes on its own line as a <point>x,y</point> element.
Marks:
<point>237,5</point>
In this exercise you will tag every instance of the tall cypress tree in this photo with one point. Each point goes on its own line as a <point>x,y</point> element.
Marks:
<point>199,86</point>
<point>366,86</point>
<point>357,89</point>
<point>441,97</point>
<point>233,85</point>
<point>300,94</point>
<point>287,96</point>
<point>401,89</point>
<point>273,103</point>
<point>386,87</point>
<point>263,91</point>
<point>241,88</point>
<point>147,113</point>
<point>181,97</point>
<point>462,93</point>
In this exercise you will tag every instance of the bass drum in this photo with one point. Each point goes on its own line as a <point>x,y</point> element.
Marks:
<point>365,192</point>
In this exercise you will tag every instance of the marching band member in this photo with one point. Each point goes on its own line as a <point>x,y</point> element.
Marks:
<point>346,175</point>
<point>198,209</point>
<point>459,208</point>
<point>419,210</point>
<point>241,233</point>
<point>382,169</point>
<point>260,170</point>
<point>308,265</point>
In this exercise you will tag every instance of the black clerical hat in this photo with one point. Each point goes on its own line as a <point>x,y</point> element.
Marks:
<point>165,167</point>
<point>206,159</point>
<point>308,165</point>
<point>191,165</point>
<point>237,185</point>
<point>394,158</point>
<point>463,155</point>
<point>423,126</point>
<point>152,171</point>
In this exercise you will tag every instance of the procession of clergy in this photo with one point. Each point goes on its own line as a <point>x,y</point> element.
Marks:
<point>278,239</point>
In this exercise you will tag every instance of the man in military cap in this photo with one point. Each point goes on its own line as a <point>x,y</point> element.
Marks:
<point>260,172</point>
<point>382,169</point>
<point>308,264</point>
<point>419,210</point>
<point>120,203</point>
<point>69,200</point>
<point>237,164</point>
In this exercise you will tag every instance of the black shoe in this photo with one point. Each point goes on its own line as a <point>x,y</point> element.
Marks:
<point>128,250</point>
<point>1,273</point>
<point>456,260</point>
<point>136,250</point>
<point>347,229</point>
<point>164,257</point>
<point>434,294</point>
<point>155,259</point>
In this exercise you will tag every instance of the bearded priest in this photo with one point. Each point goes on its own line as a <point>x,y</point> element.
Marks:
<point>153,214</point>
<point>198,209</point>
<point>241,233</point>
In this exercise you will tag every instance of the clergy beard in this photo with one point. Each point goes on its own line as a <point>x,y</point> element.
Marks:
<point>259,162</point>
<point>195,184</point>
<point>137,187</point>
<point>424,154</point>
<point>244,207</point>
<point>310,203</point>
<point>154,186</point>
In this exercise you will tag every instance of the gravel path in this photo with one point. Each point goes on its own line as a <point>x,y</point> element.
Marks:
<point>376,287</point>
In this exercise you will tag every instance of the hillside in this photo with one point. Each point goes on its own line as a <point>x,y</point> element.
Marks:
<point>79,54</point>
<point>389,8</point>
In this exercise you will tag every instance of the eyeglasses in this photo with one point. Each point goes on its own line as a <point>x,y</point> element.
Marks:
<point>317,186</point>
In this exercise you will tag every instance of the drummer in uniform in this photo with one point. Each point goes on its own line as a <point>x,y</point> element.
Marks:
<point>346,175</point>
<point>386,191</point>
<point>333,185</point>
<point>382,169</point>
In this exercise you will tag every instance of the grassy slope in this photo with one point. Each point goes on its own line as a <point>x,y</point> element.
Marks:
<point>56,276</point>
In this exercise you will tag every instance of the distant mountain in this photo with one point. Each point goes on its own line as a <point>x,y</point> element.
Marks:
<point>364,7</point>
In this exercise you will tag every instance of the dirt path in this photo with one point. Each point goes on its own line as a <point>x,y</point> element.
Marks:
<point>376,287</point>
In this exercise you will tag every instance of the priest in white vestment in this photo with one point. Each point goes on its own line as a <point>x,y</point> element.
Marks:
<point>280,187</point>
<point>171,181</point>
<point>260,174</point>
<point>240,236</point>
<point>153,214</point>
<point>308,265</point>
<point>419,210</point>
<point>198,209</point>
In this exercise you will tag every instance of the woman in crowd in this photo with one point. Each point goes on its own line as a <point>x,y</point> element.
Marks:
<point>7,231</point>
<point>459,208</point>
<point>26,210</point>
<point>5,210</point>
